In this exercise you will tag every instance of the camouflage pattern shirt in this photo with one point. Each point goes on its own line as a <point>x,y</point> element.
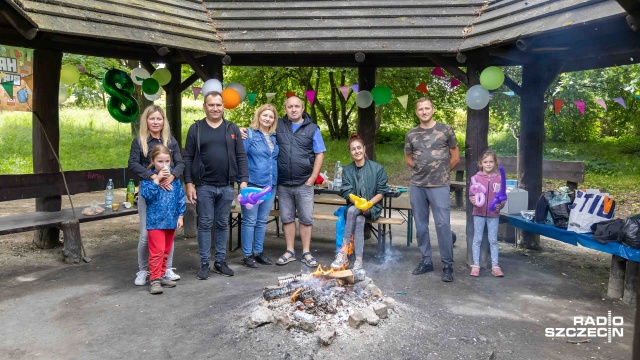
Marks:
<point>430,150</point>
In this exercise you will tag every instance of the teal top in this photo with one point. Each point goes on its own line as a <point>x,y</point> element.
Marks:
<point>366,182</point>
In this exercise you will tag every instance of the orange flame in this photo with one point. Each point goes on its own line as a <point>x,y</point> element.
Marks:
<point>351,247</point>
<point>320,272</point>
<point>295,295</point>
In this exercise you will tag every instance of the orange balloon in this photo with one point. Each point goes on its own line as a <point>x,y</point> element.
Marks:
<point>231,98</point>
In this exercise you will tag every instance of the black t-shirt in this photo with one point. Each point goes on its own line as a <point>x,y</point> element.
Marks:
<point>213,151</point>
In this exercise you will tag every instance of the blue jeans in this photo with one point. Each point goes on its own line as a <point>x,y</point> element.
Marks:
<point>478,230</point>
<point>438,199</point>
<point>254,225</point>
<point>213,203</point>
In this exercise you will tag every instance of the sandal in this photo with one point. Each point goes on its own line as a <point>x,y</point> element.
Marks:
<point>310,262</point>
<point>284,260</point>
<point>475,270</point>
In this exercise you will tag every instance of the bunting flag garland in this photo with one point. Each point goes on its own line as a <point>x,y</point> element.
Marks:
<point>251,97</point>
<point>196,92</point>
<point>290,94</point>
<point>8,87</point>
<point>311,96</point>
<point>270,96</point>
<point>345,91</point>
<point>422,87</point>
<point>454,82</point>
<point>637,96</point>
<point>557,105</point>
<point>620,101</point>
<point>404,99</point>
<point>438,72</point>
<point>355,88</point>
<point>601,103</point>
<point>580,105</point>
<point>509,93</point>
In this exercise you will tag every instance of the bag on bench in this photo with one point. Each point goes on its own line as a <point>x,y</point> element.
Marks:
<point>589,208</point>
<point>630,234</point>
<point>607,231</point>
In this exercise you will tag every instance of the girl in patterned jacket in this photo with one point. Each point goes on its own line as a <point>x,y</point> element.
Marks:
<point>165,209</point>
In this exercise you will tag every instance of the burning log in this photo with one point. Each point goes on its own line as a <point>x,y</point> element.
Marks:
<point>344,275</point>
<point>276,292</point>
<point>288,279</point>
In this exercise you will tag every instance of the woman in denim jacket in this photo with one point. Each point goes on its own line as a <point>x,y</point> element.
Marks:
<point>262,154</point>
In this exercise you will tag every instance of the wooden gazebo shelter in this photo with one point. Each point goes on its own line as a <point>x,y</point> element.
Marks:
<point>545,37</point>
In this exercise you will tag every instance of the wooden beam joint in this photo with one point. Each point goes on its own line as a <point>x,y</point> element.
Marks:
<point>450,66</point>
<point>195,65</point>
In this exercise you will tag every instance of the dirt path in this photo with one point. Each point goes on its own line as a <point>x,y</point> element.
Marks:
<point>93,311</point>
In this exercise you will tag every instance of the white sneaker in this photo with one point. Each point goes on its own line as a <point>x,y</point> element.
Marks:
<point>141,277</point>
<point>340,261</point>
<point>170,275</point>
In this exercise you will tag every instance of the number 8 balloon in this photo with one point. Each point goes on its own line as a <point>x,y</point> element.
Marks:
<point>121,105</point>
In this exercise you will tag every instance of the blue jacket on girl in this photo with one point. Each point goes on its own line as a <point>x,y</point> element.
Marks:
<point>163,206</point>
<point>263,163</point>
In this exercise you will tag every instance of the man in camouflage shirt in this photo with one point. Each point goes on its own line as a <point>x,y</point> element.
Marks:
<point>431,151</point>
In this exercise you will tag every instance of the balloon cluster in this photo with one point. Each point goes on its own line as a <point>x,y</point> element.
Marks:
<point>69,75</point>
<point>478,96</point>
<point>478,191</point>
<point>251,196</point>
<point>501,196</point>
<point>122,106</point>
<point>232,95</point>
<point>151,83</point>
<point>381,94</point>
<point>360,203</point>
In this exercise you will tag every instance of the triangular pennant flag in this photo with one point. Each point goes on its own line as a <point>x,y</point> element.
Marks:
<point>270,96</point>
<point>509,93</point>
<point>601,103</point>
<point>345,91</point>
<point>311,96</point>
<point>454,82</point>
<point>290,94</point>
<point>251,97</point>
<point>422,87</point>
<point>637,96</point>
<point>8,87</point>
<point>355,88</point>
<point>620,101</point>
<point>557,105</point>
<point>404,99</point>
<point>17,53</point>
<point>196,90</point>
<point>580,105</point>
<point>438,72</point>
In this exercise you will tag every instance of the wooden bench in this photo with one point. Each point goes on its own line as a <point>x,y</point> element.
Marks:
<point>51,187</point>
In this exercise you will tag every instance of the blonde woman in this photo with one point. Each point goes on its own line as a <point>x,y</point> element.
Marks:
<point>154,130</point>
<point>262,153</point>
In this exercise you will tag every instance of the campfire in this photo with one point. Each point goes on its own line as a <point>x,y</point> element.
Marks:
<point>323,301</point>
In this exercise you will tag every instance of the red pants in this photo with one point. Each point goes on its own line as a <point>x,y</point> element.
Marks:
<point>160,243</point>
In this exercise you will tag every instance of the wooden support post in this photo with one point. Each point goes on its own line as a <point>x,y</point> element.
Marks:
<point>476,142</point>
<point>72,251</point>
<point>536,78</point>
<point>616,277</point>
<point>366,125</point>
<point>174,101</point>
<point>630,283</point>
<point>46,75</point>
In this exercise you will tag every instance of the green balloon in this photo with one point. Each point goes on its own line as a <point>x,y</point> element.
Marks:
<point>69,74</point>
<point>491,78</point>
<point>381,94</point>
<point>150,86</point>
<point>163,76</point>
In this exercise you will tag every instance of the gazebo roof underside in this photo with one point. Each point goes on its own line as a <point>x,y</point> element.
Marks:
<point>329,33</point>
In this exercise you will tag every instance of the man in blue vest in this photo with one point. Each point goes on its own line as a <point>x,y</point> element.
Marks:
<point>299,161</point>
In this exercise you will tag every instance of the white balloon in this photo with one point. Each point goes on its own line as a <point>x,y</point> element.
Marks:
<point>239,88</point>
<point>477,97</point>
<point>211,85</point>
<point>364,99</point>
<point>155,96</point>
<point>139,73</point>
<point>63,94</point>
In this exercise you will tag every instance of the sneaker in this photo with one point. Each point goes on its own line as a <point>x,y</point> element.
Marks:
<point>155,287</point>
<point>357,265</point>
<point>141,277</point>
<point>222,268</point>
<point>496,271</point>
<point>167,283</point>
<point>169,274</point>
<point>340,261</point>
<point>424,267</point>
<point>447,273</point>
<point>475,270</point>
<point>203,274</point>
<point>249,261</point>
<point>263,259</point>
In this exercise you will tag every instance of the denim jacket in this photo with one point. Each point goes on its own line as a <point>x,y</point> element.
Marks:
<point>263,164</point>
<point>163,206</point>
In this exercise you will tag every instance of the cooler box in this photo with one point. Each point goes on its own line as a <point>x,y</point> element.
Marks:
<point>517,200</point>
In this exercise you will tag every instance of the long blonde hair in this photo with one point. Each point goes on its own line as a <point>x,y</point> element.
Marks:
<point>255,123</point>
<point>143,133</point>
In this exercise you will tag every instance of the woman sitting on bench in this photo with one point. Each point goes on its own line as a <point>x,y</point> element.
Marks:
<point>365,179</point>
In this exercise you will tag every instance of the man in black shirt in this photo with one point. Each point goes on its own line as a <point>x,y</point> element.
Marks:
<point>214,160</point>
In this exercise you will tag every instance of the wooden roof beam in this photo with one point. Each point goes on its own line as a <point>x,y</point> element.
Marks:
<point>188,82</point>
<point>512,85</point>
<point>18,21</point>
<point>191,60</point>
<point>450,66</point>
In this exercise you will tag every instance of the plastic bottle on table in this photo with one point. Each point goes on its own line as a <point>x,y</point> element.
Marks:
<point>337,178</point>
<point>131,192</point>
<point>108,199</point>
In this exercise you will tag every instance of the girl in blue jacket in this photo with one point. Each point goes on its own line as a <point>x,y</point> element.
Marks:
<point>165,209</point>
